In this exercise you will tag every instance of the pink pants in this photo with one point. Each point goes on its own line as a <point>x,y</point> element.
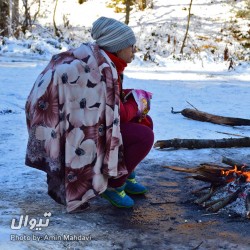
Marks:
<point>137,141</point>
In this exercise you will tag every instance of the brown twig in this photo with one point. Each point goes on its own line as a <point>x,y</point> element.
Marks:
<point>205,197</point>
<point>229,133</point>
<point>211,203</point>
<point>174,112</point>
<point>224,202</point>
<point>198,246</point>
<point>192,105</point>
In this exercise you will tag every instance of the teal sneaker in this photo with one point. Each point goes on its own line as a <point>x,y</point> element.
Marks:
<point>133,187</point>
<point>117,197</point>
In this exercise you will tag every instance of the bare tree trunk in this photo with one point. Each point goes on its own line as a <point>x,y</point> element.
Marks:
<point>203,143</point>
<point>226,54</point>
<point>142,4</point>
<point>15,17</point>
<point>185,37</point>
<point>206,117</point>
<point>56,30</point>
<point>128,4</point>
<point>27,18</point>
<point>4,17</point>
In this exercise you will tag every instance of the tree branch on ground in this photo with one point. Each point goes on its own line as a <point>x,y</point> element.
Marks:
<point>177,143</point>
<point>206,117</point>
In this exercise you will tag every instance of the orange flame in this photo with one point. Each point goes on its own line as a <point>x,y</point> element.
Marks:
<point>233,173</point>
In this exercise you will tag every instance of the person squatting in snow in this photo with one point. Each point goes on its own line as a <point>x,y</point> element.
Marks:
<point>85,131</point>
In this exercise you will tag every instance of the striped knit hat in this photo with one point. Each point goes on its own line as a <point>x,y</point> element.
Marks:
<point>112,35</point>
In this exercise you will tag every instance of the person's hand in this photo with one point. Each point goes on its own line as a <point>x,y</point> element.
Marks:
<point>127,94</point>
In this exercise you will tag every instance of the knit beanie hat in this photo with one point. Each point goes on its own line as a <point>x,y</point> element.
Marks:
<point>112,35</point>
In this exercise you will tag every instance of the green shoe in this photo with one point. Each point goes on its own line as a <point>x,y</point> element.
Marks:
<point>133,187</point>
<point>117,197</point>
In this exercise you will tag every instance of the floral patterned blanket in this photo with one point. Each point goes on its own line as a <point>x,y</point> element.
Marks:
<point>73,121</point>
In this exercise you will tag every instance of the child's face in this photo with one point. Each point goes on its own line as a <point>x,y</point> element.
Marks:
<point>127,54</point>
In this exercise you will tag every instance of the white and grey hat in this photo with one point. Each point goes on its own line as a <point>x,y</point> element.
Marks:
<point>112,35</point>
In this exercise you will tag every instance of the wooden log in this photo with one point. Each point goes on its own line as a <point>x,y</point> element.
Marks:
<point>205,172</point>
<point>234,163</point>
<point>224,202</point>
<point>205,197</point>
<point>212,202</point>
<point>214,169</point>
<point>206,117</point>
<point>203,143</point>
<point>202,168</point>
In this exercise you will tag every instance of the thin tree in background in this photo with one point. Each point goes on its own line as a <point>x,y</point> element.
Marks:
<point>185,37</point>
<point>226,54</point>
<point>15,22</point>
<point>142,4</point>
<point>128,4</point>
<point>4,17</point>
<point>27,18</point>
<point>56,30</point>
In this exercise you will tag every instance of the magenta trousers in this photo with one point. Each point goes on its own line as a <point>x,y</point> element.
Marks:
<point>137,141</point>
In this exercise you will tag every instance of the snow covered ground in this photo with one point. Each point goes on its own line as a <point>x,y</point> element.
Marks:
<point>211,89</point>
<point>204,82</point>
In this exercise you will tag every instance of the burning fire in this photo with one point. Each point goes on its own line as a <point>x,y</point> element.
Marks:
<point>235,173</point>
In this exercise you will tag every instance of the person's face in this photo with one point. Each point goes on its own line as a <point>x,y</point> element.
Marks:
<point>127,54</point>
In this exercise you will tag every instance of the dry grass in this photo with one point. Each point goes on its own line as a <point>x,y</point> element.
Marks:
<point>203,38</point>
<point>245,14</point>
<point>199,49</point>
